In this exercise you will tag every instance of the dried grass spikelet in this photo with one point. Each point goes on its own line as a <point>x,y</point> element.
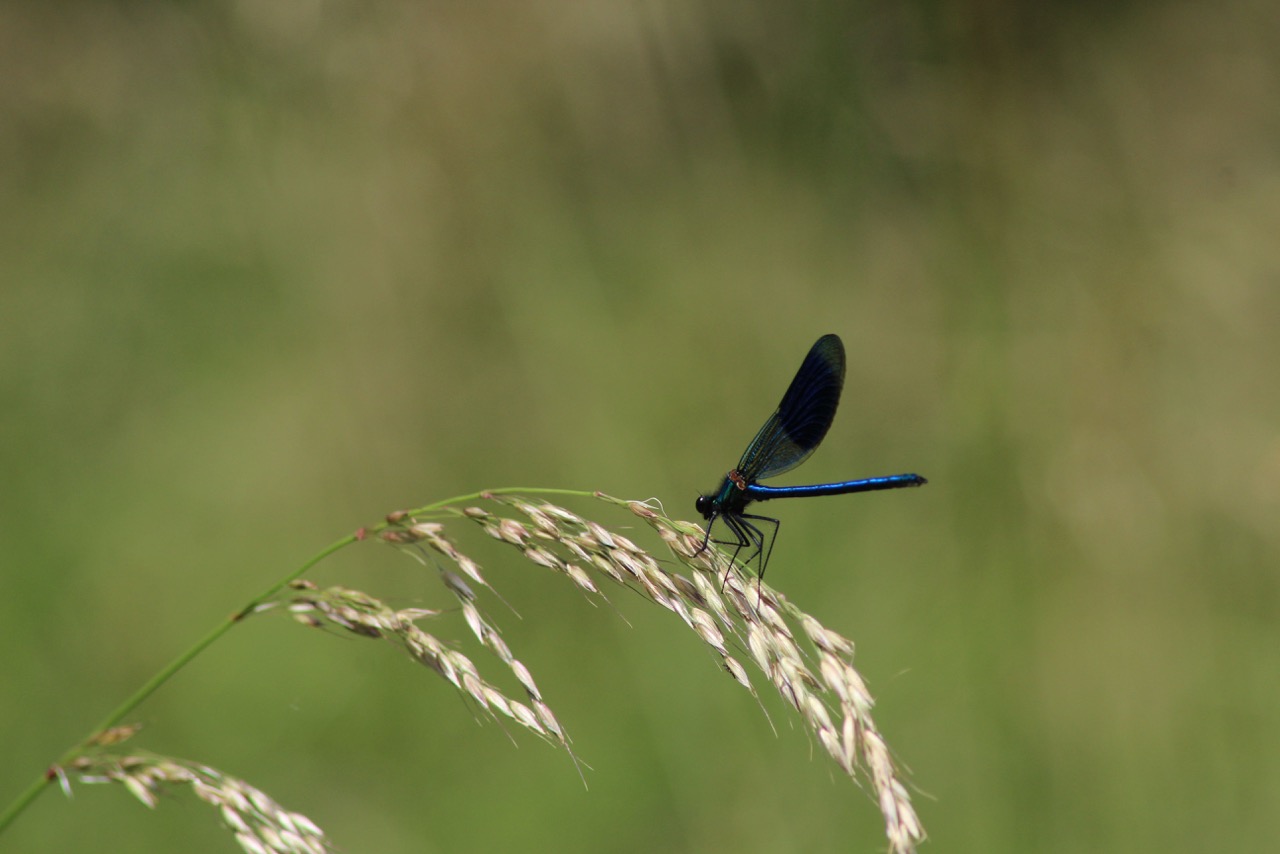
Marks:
<point>363,615</point>
<point>260,825</point>
<point>809,665</point>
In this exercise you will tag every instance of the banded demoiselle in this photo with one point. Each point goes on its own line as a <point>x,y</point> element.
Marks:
<point>786,440</point>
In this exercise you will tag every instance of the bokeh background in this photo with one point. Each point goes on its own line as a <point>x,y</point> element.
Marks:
<point>271,270</point>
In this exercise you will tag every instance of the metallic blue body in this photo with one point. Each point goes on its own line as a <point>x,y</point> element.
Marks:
<point>756,492</point>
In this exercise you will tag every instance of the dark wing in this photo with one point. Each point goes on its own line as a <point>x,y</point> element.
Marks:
<point>801,421</point>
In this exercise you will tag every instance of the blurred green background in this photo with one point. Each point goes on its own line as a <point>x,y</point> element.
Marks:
<point>271,270</point>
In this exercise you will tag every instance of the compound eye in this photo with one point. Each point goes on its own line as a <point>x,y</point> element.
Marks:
<point>703,506</point>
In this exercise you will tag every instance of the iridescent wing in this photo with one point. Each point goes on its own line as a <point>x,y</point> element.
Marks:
<point>801,421</point>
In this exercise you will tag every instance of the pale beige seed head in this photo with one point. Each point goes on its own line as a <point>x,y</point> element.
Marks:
<point>542,557</point>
